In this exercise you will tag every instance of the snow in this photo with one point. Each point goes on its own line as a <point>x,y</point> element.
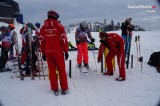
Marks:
<point>141,87</point>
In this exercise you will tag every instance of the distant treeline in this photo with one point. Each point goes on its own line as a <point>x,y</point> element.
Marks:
<point>99,26</point>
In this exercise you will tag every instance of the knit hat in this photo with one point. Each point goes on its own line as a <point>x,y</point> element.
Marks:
<point>53,14</point>
<point>102,34</point>
<point>12,26</point>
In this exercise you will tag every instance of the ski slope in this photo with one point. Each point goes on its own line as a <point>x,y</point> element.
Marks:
<point>141,87</point>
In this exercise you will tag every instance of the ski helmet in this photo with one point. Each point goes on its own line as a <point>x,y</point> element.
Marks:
<point>83,25</point>
<point>31,25</point>
<point>4,28</point>
<point>37,24</point>
<point>53,14</point>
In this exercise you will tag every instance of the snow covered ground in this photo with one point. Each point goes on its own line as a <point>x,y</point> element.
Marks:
<point>141,87</point>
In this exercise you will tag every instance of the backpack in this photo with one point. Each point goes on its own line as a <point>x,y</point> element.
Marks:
<point>154,59</point>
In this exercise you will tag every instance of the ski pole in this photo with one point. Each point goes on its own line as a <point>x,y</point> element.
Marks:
<point>102,65</point>
<point>140,58</point>
<point>70,72</point>
<point>139,45</point>
<point>132,61</point>
<point>94,58</point>
<point>42,66</point>
<point>38,59</point>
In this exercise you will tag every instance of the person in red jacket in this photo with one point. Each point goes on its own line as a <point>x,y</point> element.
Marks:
<point>54,47</point>
<point>115,44</point>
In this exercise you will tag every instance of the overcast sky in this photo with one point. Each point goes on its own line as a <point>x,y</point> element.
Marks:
<point>75,11</point>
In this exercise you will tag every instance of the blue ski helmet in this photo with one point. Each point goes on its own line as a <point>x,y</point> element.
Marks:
<point>37,24</point>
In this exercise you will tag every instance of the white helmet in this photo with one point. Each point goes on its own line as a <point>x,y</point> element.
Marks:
<point>83,25</point>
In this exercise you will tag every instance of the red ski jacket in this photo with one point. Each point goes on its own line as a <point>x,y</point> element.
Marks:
<point>114,43</point>
<point>53,37</point>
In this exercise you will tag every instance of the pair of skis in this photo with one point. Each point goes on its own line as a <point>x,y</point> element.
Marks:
<point>86,69</point>
<point>83,69</point>
<point>16,45</point>
<point>30,39</point>
<point>56,93</point>
<point>29,56</point>
<point>139,56</point>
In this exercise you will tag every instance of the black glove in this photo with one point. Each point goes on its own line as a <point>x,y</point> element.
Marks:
<point>44,57</point>
<point>92,40</point>
<point>105,43</point>
<point>77,42</point>
<point>91,43</point>
<point>66,55</point>
<point>118,46</point>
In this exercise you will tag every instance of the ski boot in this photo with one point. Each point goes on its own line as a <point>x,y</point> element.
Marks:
<point>56,92</point>
<point>86,65</point>
<point>120,79</point>
<point>64,92</point>
<point>79,65</point>
<point>108,73</point>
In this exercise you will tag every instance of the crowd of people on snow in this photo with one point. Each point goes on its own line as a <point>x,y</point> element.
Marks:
<point>51,40</point>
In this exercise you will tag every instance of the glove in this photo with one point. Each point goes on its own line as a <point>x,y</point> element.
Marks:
<point>92,40</point>
<point>106,44</point>
<point>98,61</point>
<point>77,42</point>
<point>118,47</point>
<point>44,57</point>
<point>66,56</point>
<point>102,41</point>
<point>0,46</point>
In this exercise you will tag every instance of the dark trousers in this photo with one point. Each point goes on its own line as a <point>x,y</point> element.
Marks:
<point>3,58</point>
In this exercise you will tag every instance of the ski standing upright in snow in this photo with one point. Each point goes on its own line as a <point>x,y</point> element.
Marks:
<point>15,39</point>
<point>30,38</point>
<point>139,56</point>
